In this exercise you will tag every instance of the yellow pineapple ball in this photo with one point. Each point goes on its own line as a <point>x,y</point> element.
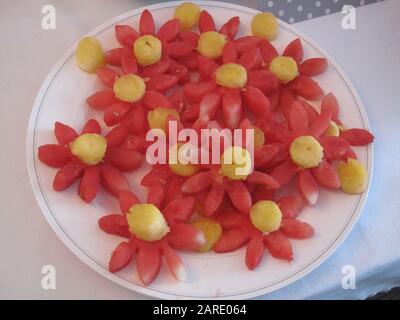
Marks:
<point>90,148</point>
<point>129,88</point>
<point>157,118</point>
<point>89,55</point>
<point>231,75</point>
<point>264,25</point>
<point>212,231</point>
<point>177,167</point>
<point>236,163</point>
<point>306,152</point>
<point>353,176</point>
<point>211,44</point>
<point>147,50</point>
<point>266,216</point>
<point>284,68</point>
<point>259,137</point>
<point>188,14</point>
<point>147,222</point>
<point>333,130</point>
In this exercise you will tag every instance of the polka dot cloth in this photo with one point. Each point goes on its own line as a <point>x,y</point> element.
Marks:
<point>293,11</point>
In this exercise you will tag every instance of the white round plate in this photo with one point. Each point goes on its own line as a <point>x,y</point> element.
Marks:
<point>211,276</point>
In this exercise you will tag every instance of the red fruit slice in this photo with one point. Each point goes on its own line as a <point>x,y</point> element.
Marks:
<point>209,106</point>
<point>161,82</point>
<point>190,114</point>
<point>90,183</point>
<point>177,100</point>
<point>286,100</point>
<point>246,43</point>
<point>214,199</point>
<point>312,114</point>
<point>190,37</point>
<point>284,172</point>
<point>64,133</point>
<point>113,180</point>
<point>179,49</point>
<point>330,104</point>
<point>290,206</point>
<point>264,179</point>
<point>206,22</point>
<point>128,62</point>
<point>146,23</point>
<point>230,219</point>
<point>230,28</point>
<point>229,53</point>
<point>126,35</point>
<point>148,263</point>
<point>126,200</point>
<point>264,154</point>
<point>294,50</point>
<point>54,155</point>
<point>120,257</point>
<point>154,99</point>
<point>155,69</point>
<point>313,67</point>
<point>326,175</point>
<point>262,193</point>
<point>115,224</point>
<point>156,194</point>
<point>197,182</point>
<point>169,30</point>
<point>206,67</point>
<point>174,191</point>
<point>190,61</point>
<point>195,91</point>
<point>279,246</point>
<point>116,136</point>
<point>335,148</point>
<point>179,70</point>
<point>184,236</point>
<point>254,251</point>
<point>232,108</point>
<point>268,51</point>
<point>136,120</point>
<point>357,137</point>
<point>91,126</point>
<point>298,118</point>
<point>321,123</point>
<point>101,99</point>
<point>232,240</point>
<point>239,196</point>
<point>67,175</point>
<point>174,263</point>
<point>115,113</point>
<point>107,76</point>
<point>157,174</point>
<point>179,210</point>
<point>251,59</point>
<point>136,142</point>
<point>113,56</point>
<point>263,80</point>
<point>297,229</point>
<point>256,101</point>
<point>124,159</point>
<point>307,187</point>
<point>307,88</point>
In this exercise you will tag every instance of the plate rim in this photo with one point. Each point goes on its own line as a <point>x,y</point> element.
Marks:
<point>147,290</point>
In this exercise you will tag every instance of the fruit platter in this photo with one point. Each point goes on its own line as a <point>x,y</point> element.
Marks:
<point>118,127</point>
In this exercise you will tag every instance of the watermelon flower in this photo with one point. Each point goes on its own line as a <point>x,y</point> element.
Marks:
<point>152,233</point>
<point>95,159</point>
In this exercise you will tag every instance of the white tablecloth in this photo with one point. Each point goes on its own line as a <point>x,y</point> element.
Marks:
<point>369,54</point>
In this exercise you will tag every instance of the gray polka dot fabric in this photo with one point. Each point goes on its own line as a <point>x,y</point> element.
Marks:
<point>293,11</point>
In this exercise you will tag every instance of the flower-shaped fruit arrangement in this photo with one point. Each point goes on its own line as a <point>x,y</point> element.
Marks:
<point>202,76</point>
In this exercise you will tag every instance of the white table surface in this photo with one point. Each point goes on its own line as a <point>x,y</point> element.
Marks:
<point>370,55</point>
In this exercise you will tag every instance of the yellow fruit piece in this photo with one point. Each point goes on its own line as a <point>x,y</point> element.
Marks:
<point>259,137</point>
<point>306,152</point>
<point>333,130</point>
<point>129,88</point>
<point>265,25</point>
<point>231,75</point>
<point>212,232</point>
<point>157,118</point>
<point>188,14</point>
<point>285,68</point>
<point>147,50</point>
<point>147,222</point>
<point>89,54</point>
<point>89,147</point>
<point>181,169</point>
<point>211,44</point>
<point>266,216</point>
<point>236,163</point>
<point>353,176</point>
